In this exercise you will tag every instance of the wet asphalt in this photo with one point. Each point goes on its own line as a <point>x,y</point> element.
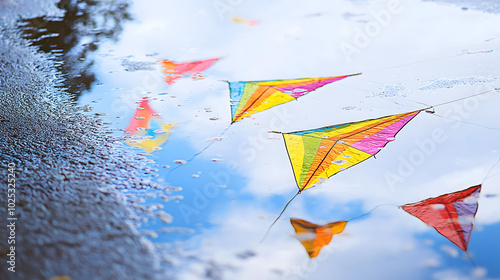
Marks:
<point>71,220</point>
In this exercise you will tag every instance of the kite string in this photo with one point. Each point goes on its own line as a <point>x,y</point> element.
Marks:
<point>407,64</point>
<point>444,103</point>
<point>411,63</point>
<point>453,100</point>
<point>373,209</point>
<point>470,96</point>
<point>491,169</point>
<point>470,123</point>
<point>418,102</point>
<point>469,256</point>
<point>200,152</point>
<point>421,61</point>
<point>279,216</point>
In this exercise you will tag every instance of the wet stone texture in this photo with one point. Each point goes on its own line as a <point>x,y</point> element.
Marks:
<point>71,220</point>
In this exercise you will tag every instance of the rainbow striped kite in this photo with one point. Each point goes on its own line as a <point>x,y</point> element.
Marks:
<point>320,153</point>
<point>323,152</point>
<point>251,97</point>
<point>147,128</point>
<point>450,214</point>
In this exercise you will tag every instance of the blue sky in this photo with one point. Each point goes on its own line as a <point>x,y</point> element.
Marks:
<point>410,52</point>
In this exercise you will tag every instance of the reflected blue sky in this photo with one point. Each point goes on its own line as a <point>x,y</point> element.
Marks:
<point>422,52</point>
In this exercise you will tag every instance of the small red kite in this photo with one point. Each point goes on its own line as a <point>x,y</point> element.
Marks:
<point>175,71</point>
<point>450,214</point>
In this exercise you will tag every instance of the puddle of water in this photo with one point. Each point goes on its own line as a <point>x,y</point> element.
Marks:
<point>216,207</point>
<point>75,36</point>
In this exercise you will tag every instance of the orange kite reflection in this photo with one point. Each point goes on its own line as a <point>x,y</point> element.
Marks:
<point>314,237</point>
<point>147,129</point>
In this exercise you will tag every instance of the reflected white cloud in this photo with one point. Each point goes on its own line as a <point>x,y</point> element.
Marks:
<point>451,251</point>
